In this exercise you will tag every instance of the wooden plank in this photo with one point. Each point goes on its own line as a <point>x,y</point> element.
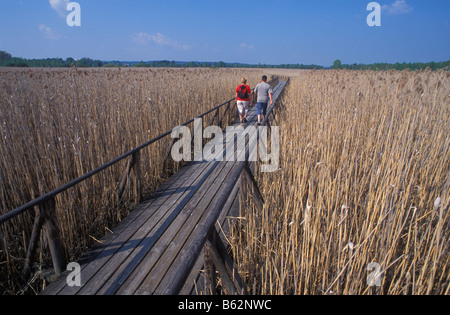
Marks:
<point>179,270</point>
<point>109,291</point>
<point>231,209</point>
<point>96,257</point>
<point>116,271</point>
<point>195,284</point>
<point>173,242</point>
<point>170,283</point>
<point>162,245</point>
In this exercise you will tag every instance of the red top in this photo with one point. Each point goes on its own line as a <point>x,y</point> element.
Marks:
<point>249,91</point>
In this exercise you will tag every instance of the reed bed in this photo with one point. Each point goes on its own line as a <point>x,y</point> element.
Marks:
<point>364,186</point>
<point>59,124</point>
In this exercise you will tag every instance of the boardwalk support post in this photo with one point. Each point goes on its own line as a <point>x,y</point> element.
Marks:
<point>136,175</point>
<point>210,270</point>
<point>48,212</point>
<point>45,216</point>
<point>165,162</point>
<point>132,172</point>
<point>37,227</point>
<point>4,246</point>
<point>218,256</point>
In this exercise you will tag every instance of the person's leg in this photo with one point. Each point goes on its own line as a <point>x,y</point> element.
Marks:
<point>259,111</point>
<point>264,111</point>
<point>240,110</point>
<point>247,104</point>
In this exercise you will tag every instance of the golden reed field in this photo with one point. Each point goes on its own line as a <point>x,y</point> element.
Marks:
<point>364,183</point>
<point>364,187</point>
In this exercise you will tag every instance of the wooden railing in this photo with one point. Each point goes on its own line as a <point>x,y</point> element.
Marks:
<point>45,206</point>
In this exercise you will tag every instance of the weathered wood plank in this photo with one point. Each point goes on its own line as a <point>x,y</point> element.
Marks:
<point>94,259</point>
<point>184,226</point>
<point>195,282</point>
<point>123,262</point>
<point>202,229</point>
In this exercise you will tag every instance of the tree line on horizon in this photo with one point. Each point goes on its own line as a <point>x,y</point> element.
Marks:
<point>396,66</point>
<point>7,60</point>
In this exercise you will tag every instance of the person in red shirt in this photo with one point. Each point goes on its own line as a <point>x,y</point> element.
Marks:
<point>244,100</point>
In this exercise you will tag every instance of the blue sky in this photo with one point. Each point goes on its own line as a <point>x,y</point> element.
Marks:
<point>253,31</point>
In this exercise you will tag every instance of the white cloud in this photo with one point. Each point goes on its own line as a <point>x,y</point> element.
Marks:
<point>398,7</point>
<point>48,32</point>
<point>60,6</point>
<point>247,46</point>
<point>159,39</point>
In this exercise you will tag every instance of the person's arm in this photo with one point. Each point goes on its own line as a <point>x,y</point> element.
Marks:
<point>271,97</point>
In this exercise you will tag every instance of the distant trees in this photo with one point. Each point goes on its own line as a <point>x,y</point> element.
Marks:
<point>141,65</point>
<point>396,66</point>
<point>337,64</point>
<point>88,62</point>
<point>4,56</point>
<point>8,61</point>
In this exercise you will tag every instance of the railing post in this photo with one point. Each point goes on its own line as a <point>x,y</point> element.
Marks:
<point>229,112</point>
<point>136,172</point>
<point>37,227</point>
<point>210,271</point>
<point>48,212</point>
<point>218,118</point>
<point>219,258</point>
<point>215,117</point>
<point>124,180</point>
<point>133,170</point>
<point>4,245</point>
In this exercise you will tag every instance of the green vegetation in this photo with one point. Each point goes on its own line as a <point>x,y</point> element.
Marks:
<point>6,60</point>
<point>396,66</point>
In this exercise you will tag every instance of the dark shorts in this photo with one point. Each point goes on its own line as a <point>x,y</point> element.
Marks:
<point>261,109</point>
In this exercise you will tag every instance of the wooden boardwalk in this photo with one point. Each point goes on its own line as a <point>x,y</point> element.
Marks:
<point>159,247</point>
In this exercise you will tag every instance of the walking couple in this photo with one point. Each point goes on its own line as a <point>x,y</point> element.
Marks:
<point>244,98</point>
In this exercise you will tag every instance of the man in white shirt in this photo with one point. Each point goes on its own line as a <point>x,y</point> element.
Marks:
<point>263,93</point>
